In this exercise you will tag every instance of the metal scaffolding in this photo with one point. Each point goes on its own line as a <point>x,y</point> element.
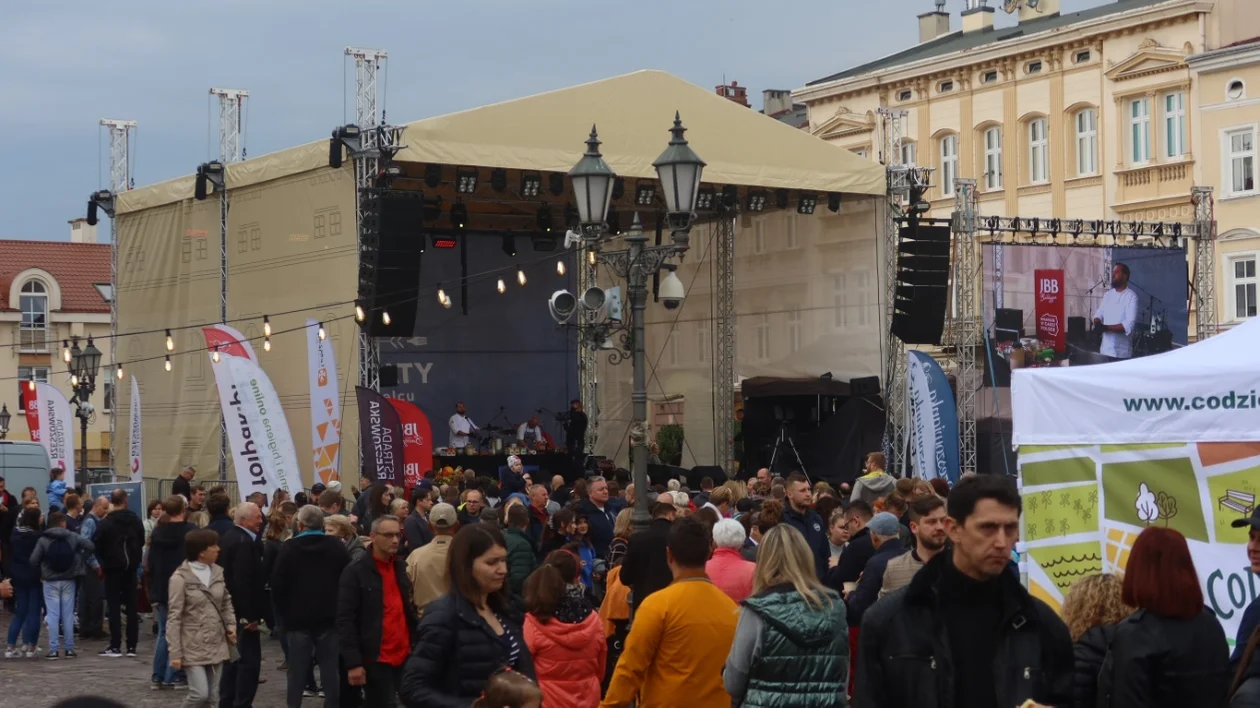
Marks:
<point>965,328</point>
<point>894,364</point>
<point>119,181</point>
<point>724,338</point>
<point>1204,262</point>
<point>588,374</point>
<point>231,149</point>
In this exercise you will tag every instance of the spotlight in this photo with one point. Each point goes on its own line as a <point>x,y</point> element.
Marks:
<point>392,171</point>
<point>781,198</point>
<point>168,362</point>
<point>806,203</point>
<point>120,372</point>
<point>334,151</point>
<point>432,176</point>
<point>560,267</point>
<point>359,314</point>
<point>704,199</point>
<point>170,343</point>
<point>756,200</point>
<point>509,246</point>
<point>556,184</point>
<point>321,333</point>
<point>498,179</point>
<point>544,218</point>
<point>501,287</point>
<point>531,184</point>
<point>266,344</point>
<point>214,356</point>
<point>266,326</point>
<point>644,193</point>
<point>466,181</point>
<point>730,196</point>
<point>65,351</point>
<point>833,202</point>
<point>91,213</point>
<point>619,188</point>
<point>201,187</point>
<point>385,320</point>
<point>459,215</point>
<point>520,275</point>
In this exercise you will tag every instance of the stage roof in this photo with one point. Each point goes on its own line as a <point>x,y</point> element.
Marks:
<point>545,132</point>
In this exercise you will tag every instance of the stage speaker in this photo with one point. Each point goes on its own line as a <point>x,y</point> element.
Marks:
<point>389,375</point>
<point>922,283</point>
<point>1076,330</point>
<point>865,386</point>
<point>400,242</point>
<point>1008,324</point>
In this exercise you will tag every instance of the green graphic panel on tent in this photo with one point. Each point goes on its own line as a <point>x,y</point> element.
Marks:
<point>1233,497</point>
<point>1070,469</point>
<point>1069,562</point>
<point>1061,512</point>
<point>1037,449</point>
<point>1140,446</point>
<point>1155,493</point>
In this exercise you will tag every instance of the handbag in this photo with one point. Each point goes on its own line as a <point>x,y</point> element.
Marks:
<point>234,654</point>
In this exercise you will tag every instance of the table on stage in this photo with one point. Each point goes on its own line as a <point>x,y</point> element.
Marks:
<point>552,463</point>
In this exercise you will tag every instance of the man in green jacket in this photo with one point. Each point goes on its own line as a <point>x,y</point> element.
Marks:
<point>521,555</point>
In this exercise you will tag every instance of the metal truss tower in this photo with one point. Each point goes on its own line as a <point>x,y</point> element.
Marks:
<point>231,149</point>
<point>965,332</point>
<point>588,373</point>
<point>724,339</point>
<point>894,364</point>
<point>120,132</point>
<point>1204,262</point>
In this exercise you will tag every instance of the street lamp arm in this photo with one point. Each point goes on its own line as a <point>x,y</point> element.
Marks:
<point>648,260</point>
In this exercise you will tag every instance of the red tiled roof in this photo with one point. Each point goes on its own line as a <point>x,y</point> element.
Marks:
<point>76,266</point>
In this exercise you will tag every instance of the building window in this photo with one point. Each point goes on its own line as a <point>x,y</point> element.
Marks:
<point>1235,90</point>
<point>993,158</point>
<point>759,237</point>
<point>33,373</point>
<point>905,95</point>
<point>242,240</point>
<point>792,240</point>
<point>1037,144</point>
<point>201,249</point>
<point>840,301</point>
<point>1081,57</point>
<point>1087,142</point>
<point>949,164</point>
<point>988,77</point>
<point>860,152</point>
<point>255,238</point>
<point>945,86</point>
<point>1244,282</point>
<point>33,330</point>
<point>703,335</point>
<point>185,251</point>
<point>794,331</point>
<point>763,338</point>
<point>907,154</point>
<point>1140,130</point>
<point>1241,161</point>
<point>1175,123</point>
<point>1034,67</point>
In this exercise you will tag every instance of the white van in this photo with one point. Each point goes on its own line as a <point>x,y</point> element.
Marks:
<point>25,464</point>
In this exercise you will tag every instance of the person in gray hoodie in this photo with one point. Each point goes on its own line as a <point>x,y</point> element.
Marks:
<point>63,558</point>
<point>876,483</point>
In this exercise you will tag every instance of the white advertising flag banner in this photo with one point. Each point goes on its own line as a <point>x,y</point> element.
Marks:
<point>137,466</point>
<point>263,453</point>
<point>325,405</point>
<point>56,429</point>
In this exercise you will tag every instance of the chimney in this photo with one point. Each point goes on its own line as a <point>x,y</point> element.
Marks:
<point>977,17</point>
<point>933,24</point>
<point>1037,9</point>
<point>775,101</point>
<point>734,92</point>
<point>82,232</point>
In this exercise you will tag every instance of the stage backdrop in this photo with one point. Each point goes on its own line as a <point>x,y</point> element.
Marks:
<point>492,351</point>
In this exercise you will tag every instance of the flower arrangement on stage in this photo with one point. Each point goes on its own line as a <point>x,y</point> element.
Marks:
<point>449,475</point>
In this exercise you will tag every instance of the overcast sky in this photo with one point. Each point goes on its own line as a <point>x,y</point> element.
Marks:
<point>65,64</point>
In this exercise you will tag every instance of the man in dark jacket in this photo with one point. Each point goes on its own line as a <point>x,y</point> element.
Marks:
<point>304,590</point>
<point>883,530</point>
<point>857,552</point>
<point>1249,686</point>
<point>799,514</point>
<point>646,568</point>
<point>522,556</point>
<point>220,522</point>
<point>166,553</point>
<point>375,620</point>
<point>8,519</point>
<point>416,527</point>
<point>601,513</point>
<point>183,483</point>
<point>964,632</point>
<point>120,546</point>
<point>240,555</point>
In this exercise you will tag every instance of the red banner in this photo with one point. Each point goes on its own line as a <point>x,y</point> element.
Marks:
<point>417,441</point>
<point>1051,322</point>
<point>29,401</point>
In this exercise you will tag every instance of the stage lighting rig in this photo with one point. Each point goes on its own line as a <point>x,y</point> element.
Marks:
<point>531,184</point>
<point>208,173</point>
<point>806,203</point>
<point>498,179</point>
<point>730,196</point>
<point>644,193</point>
<point>348,136</point>
<point>102,200</point>
<point>466,181</point>
<point>756,200</point>
<point>833,202</point>
<point>704,199</point>
<point>432,176</point>
<point>781,198</point>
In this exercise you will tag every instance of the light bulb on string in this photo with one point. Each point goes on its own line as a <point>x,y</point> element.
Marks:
<point>170,343</point>
<point>501,287</point>
<point>168,362</point>
<point>120,372</point>
<point>266,326</point>
<point>214,356</point>
<point>65,351</point>
<point>559,267</point>
<point>322,334</point>
<point>267,344</point>
<point>590,256</point>
<point>446,302</point>
<point>359,314</point>
<point>441,295</point>
<point>74,381</point>
<point>385,318</point>
<point>520,275</point>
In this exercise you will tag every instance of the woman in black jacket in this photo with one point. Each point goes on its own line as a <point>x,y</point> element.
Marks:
<point>470,632</point>
<point>1091,610</point>
<point>1172,651</point>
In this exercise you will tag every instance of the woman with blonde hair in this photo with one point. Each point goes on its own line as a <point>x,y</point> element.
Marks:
<point>341,527</point>
<point>622,528</point>
<point>792,643</point>
<point>1092,609</point>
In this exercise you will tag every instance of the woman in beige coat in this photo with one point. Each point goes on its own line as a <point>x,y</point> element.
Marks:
<point>201,623</point>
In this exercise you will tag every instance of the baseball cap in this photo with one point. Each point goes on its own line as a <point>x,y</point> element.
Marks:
<point>884,524</point>
<point>1253,521</point>
<point>442,516</point>
<point>318,488</point>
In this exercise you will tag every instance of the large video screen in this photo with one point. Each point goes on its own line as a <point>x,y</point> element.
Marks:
<point>1072,306</point>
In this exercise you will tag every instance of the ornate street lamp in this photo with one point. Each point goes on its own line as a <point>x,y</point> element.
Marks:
<point>592,185</point>
<point>679,169</point>
<point>5,417</point>
<point>84,364</point>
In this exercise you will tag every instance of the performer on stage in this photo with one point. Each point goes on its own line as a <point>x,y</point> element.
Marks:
<point>530,433</point>
<point>461,427</point>
<point>1117,315</point>
<point>575,432</point>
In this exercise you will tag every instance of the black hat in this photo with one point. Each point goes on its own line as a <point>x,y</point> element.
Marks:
<point>318,488</point>
<point>1253,521</point>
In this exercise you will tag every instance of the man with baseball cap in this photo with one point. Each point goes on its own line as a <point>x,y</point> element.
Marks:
<point>426,566</point>
<point>884,529</point>
<point>1248,680</point>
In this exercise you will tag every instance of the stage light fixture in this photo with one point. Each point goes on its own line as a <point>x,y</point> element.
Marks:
<point>498,179</point>
<point>509,246</point>
<point>544,218</point>
<point>266,344</point>
<point>65,351</point>
<point>520,275</point>
<point>501,287</point>
<point>730,196</point>
<point>170,342</point>
<point>459,215</point>
<point>393,171</point>
<point>91,213</point>
<point>466,181</point>
<point>432,176</point>
<point>781,198</point>
<point>334,151</point>
<point>359,314</point>
<point>806,203</point>
<point>531,184</point>
<point>119,372</point>
<point>266,326</point>
<point>168,362</point>
<point>556,184</point>
<point>644,193</point>
<point>560,267</point>
<point>619,188</point>
<point>321,333</point>
<point>704,199</point>
<point>214,355</point>
<point>756,200</point>
<point>833,202</point>
<point>385,318</point>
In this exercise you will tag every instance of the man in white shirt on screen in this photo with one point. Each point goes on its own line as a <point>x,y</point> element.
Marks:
<point>1117,315</point>
<point>530,433</point>
<point>461,427</point>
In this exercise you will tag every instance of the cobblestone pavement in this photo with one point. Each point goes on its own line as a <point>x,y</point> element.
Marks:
<point>39,683</point>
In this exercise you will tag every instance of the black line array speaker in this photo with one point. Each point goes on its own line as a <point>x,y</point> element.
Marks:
<point>922,284</point>
<point>397,287</point>
<point>864,386</point>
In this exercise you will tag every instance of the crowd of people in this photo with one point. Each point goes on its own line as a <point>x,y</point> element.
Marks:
<point>766,592</point>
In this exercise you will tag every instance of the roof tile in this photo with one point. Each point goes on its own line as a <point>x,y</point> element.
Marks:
<point>76,266</point>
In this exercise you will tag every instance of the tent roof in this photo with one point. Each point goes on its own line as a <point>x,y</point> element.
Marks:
<point>1177,396</point>
<point>546,132</point>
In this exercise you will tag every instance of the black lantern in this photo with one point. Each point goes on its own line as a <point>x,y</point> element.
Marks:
<point>679,169</point>
<point>592,183</point>
<point>91,360</point>
<point>5,417</point>
<point>75,360</point>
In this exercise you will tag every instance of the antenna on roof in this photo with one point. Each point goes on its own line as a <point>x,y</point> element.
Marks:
<point>940,5</point>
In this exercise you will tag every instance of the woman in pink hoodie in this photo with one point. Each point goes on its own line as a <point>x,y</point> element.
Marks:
<point>727,568</point>
<point>564,634</point>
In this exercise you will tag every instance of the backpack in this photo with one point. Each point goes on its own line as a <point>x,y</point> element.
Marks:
<point>60,556</point>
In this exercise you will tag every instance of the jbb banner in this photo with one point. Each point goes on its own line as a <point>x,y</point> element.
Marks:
<point>417,441</point>
<point>380,437</point>
<point>1051,321</point>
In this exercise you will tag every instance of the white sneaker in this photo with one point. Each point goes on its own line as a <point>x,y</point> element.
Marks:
<point>30,653</point>
<point>12,653</point>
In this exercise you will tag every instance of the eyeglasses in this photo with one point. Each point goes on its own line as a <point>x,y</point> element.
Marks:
<point>384,534</point>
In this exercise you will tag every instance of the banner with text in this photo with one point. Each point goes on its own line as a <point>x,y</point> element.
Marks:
<point>325,404</point>
<point>417,437</point>
<point>263,453</point>
<point>137,465</point>
<point>380,437</point>
<point>1051,325</point>
<point>29,402</point>
<point>56,429</point>
<point>935,419</point>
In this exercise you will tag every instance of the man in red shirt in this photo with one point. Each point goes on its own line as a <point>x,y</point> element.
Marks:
<point>375,619</point>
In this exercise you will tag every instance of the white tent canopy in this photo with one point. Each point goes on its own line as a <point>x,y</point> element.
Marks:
<point>1206,392</point>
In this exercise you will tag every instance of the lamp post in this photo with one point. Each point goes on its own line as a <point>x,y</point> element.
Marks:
<point>679,169</point>
<point>5,417</point>
<point>84,365</point>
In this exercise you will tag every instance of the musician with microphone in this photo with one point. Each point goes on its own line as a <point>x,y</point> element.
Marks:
<point>461,427</point>
<point>1117,315</point>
